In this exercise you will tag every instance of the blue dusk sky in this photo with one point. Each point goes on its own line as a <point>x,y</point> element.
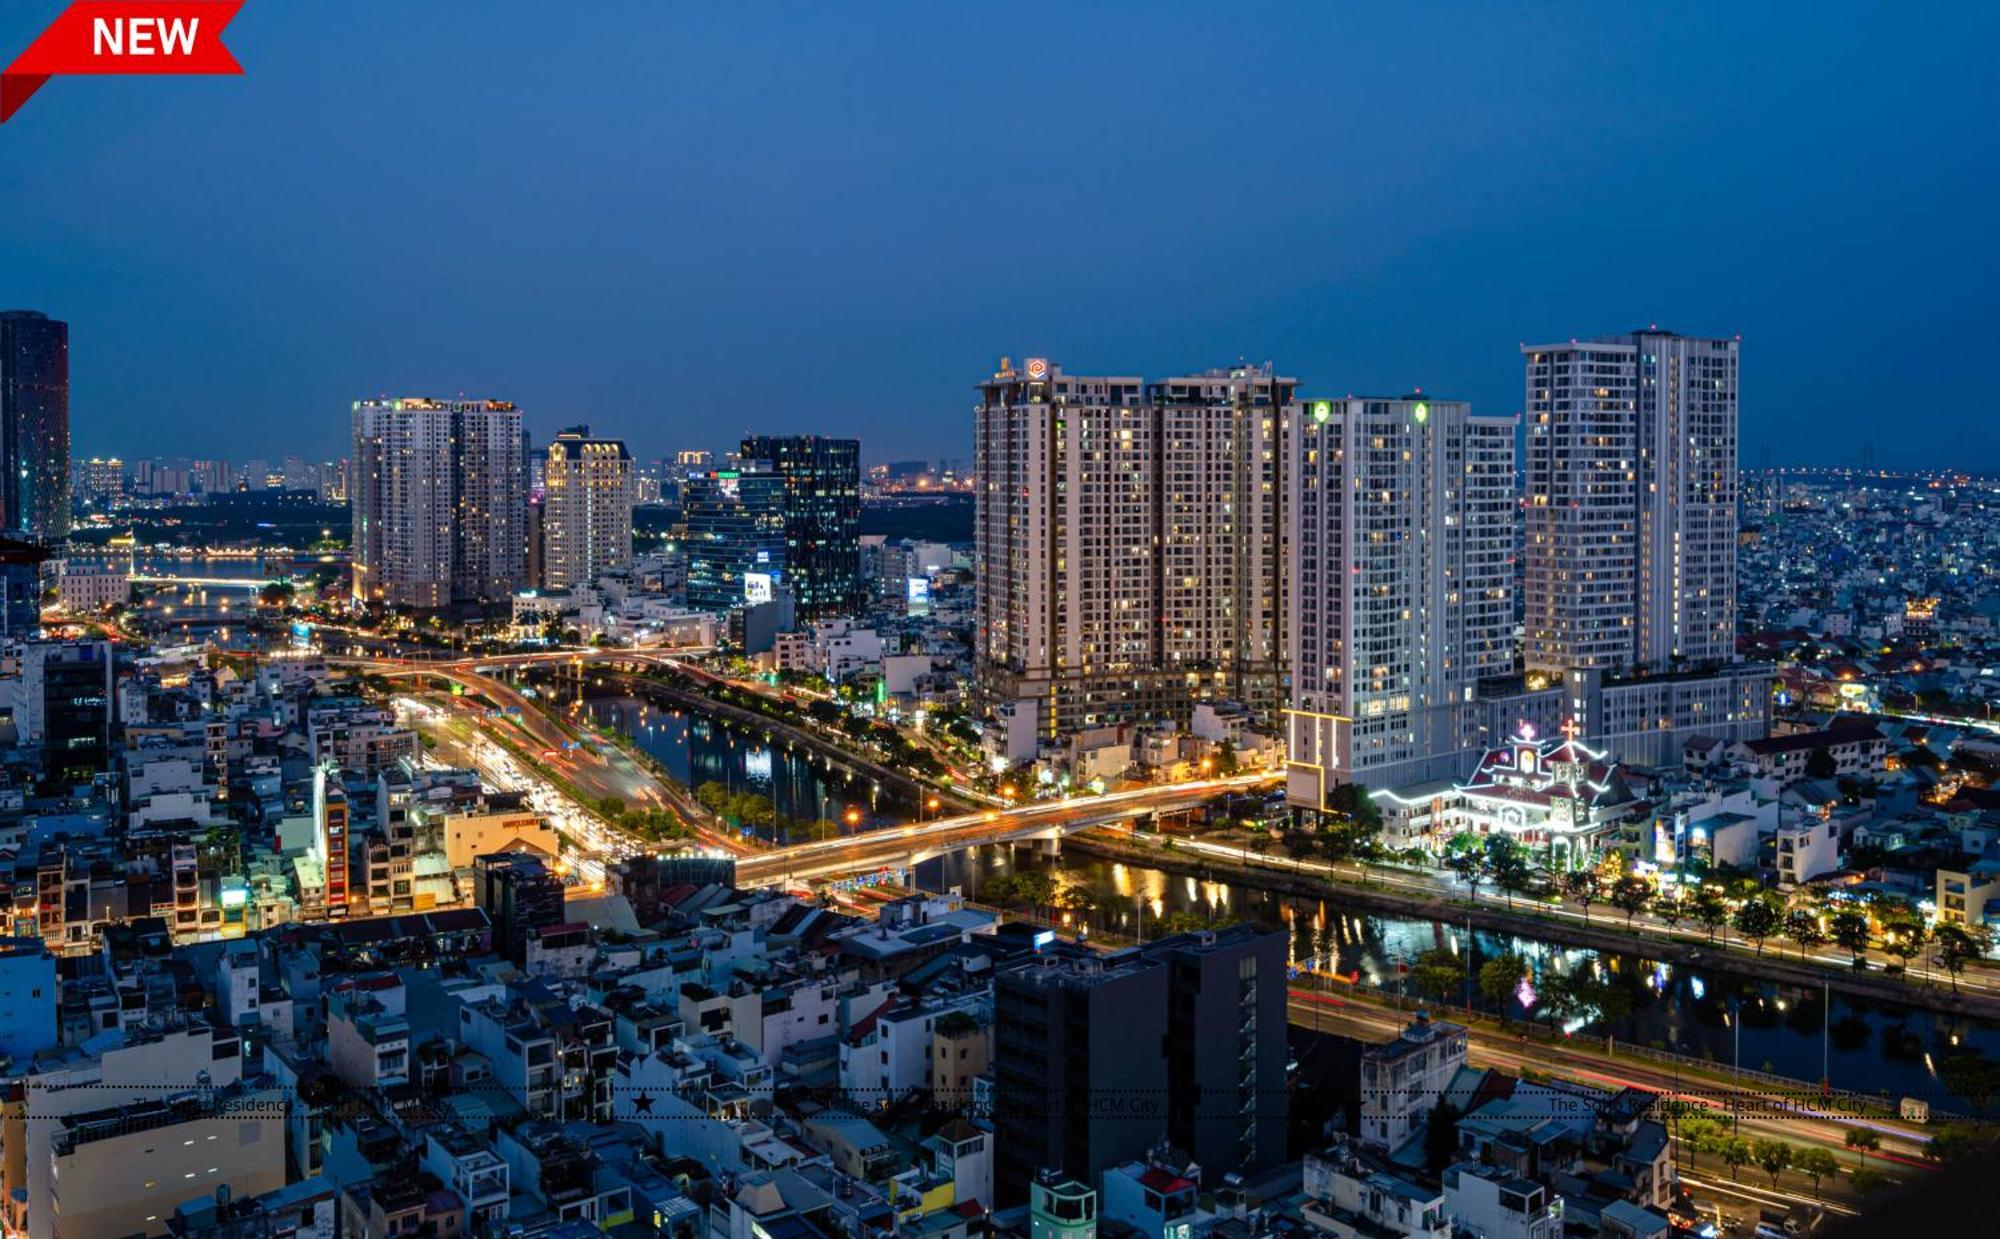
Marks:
<point>679,223</point>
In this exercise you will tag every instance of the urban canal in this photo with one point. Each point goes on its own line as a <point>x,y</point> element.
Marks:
<point>1868,1046</point>
<point>1723,1017</point>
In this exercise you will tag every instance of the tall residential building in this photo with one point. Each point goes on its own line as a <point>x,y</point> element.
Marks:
<point>216,476</point>
<point>438,500</point>
<point>1129,537</point>
<point>587,500</point>
<point>1402,519</point>
<point>1631,502</point>
<point>34,426</point>
<point>104,481</point>
<point>735,536</point>
<point>330,837</point>
<point>822,518</point>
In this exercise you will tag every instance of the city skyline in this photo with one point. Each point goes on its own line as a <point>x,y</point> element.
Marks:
<point>1418,227</point>
<point>1043,623</point>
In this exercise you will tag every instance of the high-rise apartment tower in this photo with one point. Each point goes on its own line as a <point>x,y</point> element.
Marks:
<point>34,426</point>
<point>1129,538</point>
<point>1631,502</point>
<point>1402,518</point>
<point>438,500</point>
<point>587,494</point>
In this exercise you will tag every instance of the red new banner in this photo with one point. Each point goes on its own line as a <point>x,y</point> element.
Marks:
<point>123,36</point>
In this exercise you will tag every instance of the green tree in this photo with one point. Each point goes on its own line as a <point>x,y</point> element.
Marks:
<point>1850,931</point>
<point>1820,764</point>
<point>1583,889</point>
<point>1671,907</point>
<point>1958,945</point>
<point>1038,890</point>
<point>714,797</point>
<point>1499,978</point>
<point>1700,1135</point>
<point>1471,869</point>
<point>1462,842</point>
<point>1077,901</point>
<point>1438,975</point>
<point>1774,1157</point>
<point>1508,861</point>
<point>1735,1153</point>
<point>1710,909</point>
<point>1815,1163</point>
<point>1802,928</point>
<point>1904,937</point>
<point>1630,894</point>
<point>1756,920</point>
<point>1863,1140</point>
<point>1561,997</point>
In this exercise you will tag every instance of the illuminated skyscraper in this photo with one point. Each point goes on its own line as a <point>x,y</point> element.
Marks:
<point>735,536</point>
<point>438,499</point>
<point>822,517</point>
<point>1402,524</point>
<point>1631,502</point>
<point>34,426</point>
<point>587,499</point>
<point>1128,536</point>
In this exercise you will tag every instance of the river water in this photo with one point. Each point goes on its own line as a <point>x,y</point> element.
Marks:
<point>1867,1046</point>
<point>1724,1017</point>
<point>697,749</point>
<point>195,611</point>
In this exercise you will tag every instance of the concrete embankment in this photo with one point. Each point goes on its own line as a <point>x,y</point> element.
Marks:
<point>1605,935</point>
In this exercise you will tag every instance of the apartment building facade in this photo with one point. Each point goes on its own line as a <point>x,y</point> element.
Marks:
<point>1401,516</point>
<point>1128,537</point>
<point>1631,501</point>
<point>439,499</point>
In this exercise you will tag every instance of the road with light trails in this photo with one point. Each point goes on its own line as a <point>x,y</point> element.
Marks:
<point>611,773</point>
<point>1795,1120</point>
<point>892,846</point>
<point>595,774</point>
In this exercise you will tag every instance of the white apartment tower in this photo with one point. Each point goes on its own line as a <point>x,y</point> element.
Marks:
<point>438,500</point>
<point>1402,518</point>
<point>1631,502</point>
<point>588,491</point>
<point>1128,536</point>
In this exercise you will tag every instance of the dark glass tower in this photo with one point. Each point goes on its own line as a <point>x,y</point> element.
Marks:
<point>735,537</point>
<point>822,517</point>
<point>34,426</point>
<point>20,588</point>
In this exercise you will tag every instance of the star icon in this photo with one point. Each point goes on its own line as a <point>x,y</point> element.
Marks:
<point>643,1103</point>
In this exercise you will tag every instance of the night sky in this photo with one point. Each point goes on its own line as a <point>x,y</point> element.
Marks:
<point>681,225</point>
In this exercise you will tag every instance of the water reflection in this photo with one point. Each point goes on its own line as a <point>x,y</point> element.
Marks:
<point>696,750</point>
<point>1866,1045</point>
